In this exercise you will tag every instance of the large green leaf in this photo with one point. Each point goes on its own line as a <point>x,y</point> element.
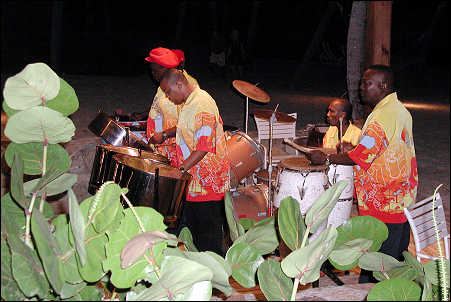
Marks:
<point>275,285</point>
<point>413,262</point>
<point>129,228</point>
<point>187,238</point>
<point>8,110</point>
<point>221,269</point>
<point>305,263</point>
<point>10,289</point>
<point>88,293</point>
<point>262,236</point>
<point>432,271</point>
<point>52,173</point>
<point>350,251</point>
<point>291,224</point>
<point>361,227</point>
<point>31,153</point>
<point>34,84</point>
<point>48,251</point>
<point>322,206</point>
<point>236,229</point>
<point>395,289</point>
<point>376,261</point>
<point>13,218</point>
<point>106,206</point>
<point>17,190</point>
<point>244,260</point>
<point>38,124</point>
<point>181,279</point>
<point>56,186</point>
<point>78,227</point>
<point>404,272</point>
<point>66,101</point>
<point>69,290</point>
<point>69,260</point>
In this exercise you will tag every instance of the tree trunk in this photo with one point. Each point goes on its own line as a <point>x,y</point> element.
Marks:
<point>56,40</point>
<point>314,44</point>
<point>356,56</point>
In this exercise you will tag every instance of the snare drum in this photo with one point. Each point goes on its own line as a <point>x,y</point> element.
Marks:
<point>152,184</point>
<point>244,154</point>
<point>102,162</point>
<point>251,202</point>
<point>342,210</point>
<point>302,181</point>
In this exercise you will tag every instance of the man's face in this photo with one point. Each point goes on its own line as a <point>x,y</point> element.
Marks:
<point>157,71</point>
<point>371,90</point>
<point>334,113</point>
<point>173,92</point>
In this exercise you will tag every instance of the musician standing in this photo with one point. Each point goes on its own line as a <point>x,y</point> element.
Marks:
<point>386,175</point>
<point>163,115</point>
<point>201,150</point>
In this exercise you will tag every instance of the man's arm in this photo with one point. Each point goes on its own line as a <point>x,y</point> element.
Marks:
<point>193,159</point>
<point>160,137</point>
<point>319,158</point>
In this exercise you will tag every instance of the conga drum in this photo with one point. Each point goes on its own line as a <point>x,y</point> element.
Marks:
<point>342,210</point>
<point>102,162</point>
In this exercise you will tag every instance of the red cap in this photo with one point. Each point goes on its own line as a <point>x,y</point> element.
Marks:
<point>180,54</point>
<point>164,57</point>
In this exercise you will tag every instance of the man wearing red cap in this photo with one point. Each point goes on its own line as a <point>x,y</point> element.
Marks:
<point>163,115</point>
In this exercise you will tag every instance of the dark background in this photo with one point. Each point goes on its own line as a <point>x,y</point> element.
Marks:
<point>112,37</point>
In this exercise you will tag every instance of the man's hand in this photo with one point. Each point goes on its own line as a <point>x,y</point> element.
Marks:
<point>344,147</point>
<point>316,157</point>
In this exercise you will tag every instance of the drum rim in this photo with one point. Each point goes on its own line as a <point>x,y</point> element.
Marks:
<point>255,144</point>
<point>110,147</point>
<point>311,168</point>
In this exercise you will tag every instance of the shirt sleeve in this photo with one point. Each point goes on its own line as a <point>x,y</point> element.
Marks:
<point>154,120</point>
<point>205,132</point>
<point>371,145</point>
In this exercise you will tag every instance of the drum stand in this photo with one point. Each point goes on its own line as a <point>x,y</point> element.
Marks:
<point>270,198</point>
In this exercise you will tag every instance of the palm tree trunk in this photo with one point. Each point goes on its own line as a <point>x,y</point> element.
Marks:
<point>356,56</point>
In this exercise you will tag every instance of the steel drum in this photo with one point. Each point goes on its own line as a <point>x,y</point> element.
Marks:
<point>102,161</point>
<point>152,184</point>
<point>251,202</point>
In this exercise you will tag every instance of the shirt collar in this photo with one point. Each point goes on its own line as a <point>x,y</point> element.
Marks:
<point>388,99</point>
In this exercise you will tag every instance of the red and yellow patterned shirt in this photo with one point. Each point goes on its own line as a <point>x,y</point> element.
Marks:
<point>200,128</point>
<point>386,175</point>
<point>163,115</point>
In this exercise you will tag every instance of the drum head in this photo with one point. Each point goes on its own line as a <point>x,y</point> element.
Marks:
<point>155,157</point>
<point>300,164</point>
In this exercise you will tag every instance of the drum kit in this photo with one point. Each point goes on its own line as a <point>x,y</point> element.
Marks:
<point>130,162</point>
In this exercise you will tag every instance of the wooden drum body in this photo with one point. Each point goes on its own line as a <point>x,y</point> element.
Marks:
<point>103,158</point>
<point>152,184</point>
<point>251,202</point>
<point>245,156</point>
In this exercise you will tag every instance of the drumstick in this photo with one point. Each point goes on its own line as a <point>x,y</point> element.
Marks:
<point>341,133</point>
<point>308,150</point>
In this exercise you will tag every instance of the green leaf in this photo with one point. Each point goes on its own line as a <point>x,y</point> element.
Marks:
<point>31,153</point>
<point>395,289</point>
<point>78,226</point>
<point>244,260</point>
<point>70,290</point>
<point>361,227</point>
<point>350,251</point>
<point>236,229</point>
<point>10,289</point>
<point>377,261</point>
<point>13,217</point>
<point>432,272</point>
<point>8,110</point>
<point>51,174</point>
<point>322,207</point>
<point>291,224</point>
<point>57,186</point>
<point>88,293</point>
<point>413,262</point>
<point>247,223</point>
<point>404,272</point>
<point>187,238</point>
<point>262,236</point>
<point>305,263</point>
<point>17,190</point>
<point>35,83</point>
<point>427,294</point>
<point>107,206</point>
<point>66,101</point>
<point>142,268</point>
<point>37,124</point>
<point>181,279</point>
<point>48,251</point>
<point>275,285</point>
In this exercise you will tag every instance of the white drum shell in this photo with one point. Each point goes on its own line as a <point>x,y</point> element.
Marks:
<point>337,173</point>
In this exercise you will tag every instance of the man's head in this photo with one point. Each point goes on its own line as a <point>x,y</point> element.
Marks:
<point>339,108</point>
<point>161,59</point>
<point>376,83</point>
<point>175,86</point>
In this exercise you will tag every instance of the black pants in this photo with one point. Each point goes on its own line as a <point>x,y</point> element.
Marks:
<point>397,242</point>
<point>205,221</point>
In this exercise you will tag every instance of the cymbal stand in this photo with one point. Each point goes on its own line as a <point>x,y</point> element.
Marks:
<point>247,113</point>
<point>270,199</point>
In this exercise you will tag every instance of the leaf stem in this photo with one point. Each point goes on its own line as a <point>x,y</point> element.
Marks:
<point>134,212</point>
<point>27,224</point>
<point>296,280</point>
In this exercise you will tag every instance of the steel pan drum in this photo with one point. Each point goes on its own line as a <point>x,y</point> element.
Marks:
<point>244,154</point>
<point>102,161</point>
<point>251,202</point>
<point>151,184</point>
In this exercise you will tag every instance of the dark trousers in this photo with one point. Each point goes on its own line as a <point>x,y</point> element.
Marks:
<point>397,242</point>
<point>205,221</point>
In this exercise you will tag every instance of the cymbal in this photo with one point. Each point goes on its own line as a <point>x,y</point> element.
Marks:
<point>251,91</point>
<point>280,116</point>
